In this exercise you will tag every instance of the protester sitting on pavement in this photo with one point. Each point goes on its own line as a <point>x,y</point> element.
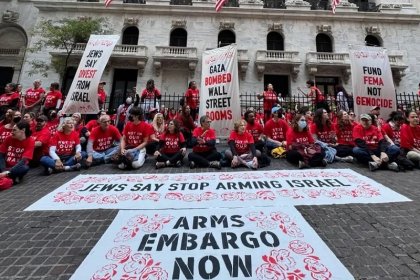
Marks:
<point>204,153</point>
<point>309,116</point>
<point>103,142</point>
<point>94,123</point>
<point>376,110</point>
<point>344,131</point>
<point>30,118</point>
<point>393,125</point>
<point>172,147</point>
<point>186,123</point>
<point>16,152</point>
<point>158,126</point>
<point>256,130</point>
<point>134,140</point>
<point>242,150</point>
<point>53,122</point>
<point>299,141</point>
<point>275,130</point>
<point>7,129</point>
<point>7,117</point>
<point>410,138</point>
<point>371,147</point>
<point>41,136</point>
<point>65,152</point>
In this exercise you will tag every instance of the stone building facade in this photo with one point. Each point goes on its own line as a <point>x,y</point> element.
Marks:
<point>280,42</point>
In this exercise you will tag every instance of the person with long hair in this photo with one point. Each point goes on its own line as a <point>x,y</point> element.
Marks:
<point>65,152</point>
<point>9,99</point>
<point>149,97</point>
<point>204,152</point>
<point>16,152</point>
<point>410,138</point>
<point>30,118</point>
<point>270,99</point>
<point>192,98</point>
<point>344,131</point>
<point>158,126</point>
<point>172,147</point>
<point>298,139</point>
<point>242,150</point>
<point>275,130</point>
<point>7,129</point>
<point>342,98</point>
<point>392,127</point>
<point>256,130</point>
<point>186,123</point>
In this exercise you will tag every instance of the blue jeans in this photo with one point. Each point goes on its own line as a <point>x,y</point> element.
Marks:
<point>49,162</point>
<point>362,155</point>
<point>104,156</point>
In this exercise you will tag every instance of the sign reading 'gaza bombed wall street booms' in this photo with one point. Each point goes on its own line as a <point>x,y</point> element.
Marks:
<point>225,189</point>
<point>372,80</point>
<point>219,97</point>
<point>254,243</point>
<point>83,93</point>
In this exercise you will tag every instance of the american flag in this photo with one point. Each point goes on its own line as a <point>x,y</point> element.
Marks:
<point>107,2</point>
<point>219,4</point>
<point>334,4</point>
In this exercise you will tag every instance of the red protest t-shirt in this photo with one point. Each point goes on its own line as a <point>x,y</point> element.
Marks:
<point>345,135</point>
<point>276,130</point>
<point>103,139</point>
<point>393,133</point>
<point>135,133</point>
<point>172,142</point>
<point>33,95</point>
<point>192,97</point>
<point>255,130</point>
<point>14,150</point>
<point>65,144</point>
<point>242,141</point>
<point>101,96</point>
<point>92,124</point>
<point>410,137</point>
<point>4,133</point>
<point>145,94</point>
<point>7,99</point>
<point>43,136</point>
<point>270,99</point>
<point>52,126</point>
<point>207,135</point>
<point>371,136</point>
<point>52,98</point>
<point>298,137</point>
<point>326,135</point>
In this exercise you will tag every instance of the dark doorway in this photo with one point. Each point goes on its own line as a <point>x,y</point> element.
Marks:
<point>68,79</point>
<point>130,36</point>
<point>327,85</point>
<point>280,84</point>
<point>122,86</point>
<point>6,76</point>
<point>275,42</point>
<point>372,41</point>
<point>225,38</point>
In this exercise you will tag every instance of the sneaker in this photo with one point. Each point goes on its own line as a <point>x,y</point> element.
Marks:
<point>192,164</point>
<point>160,164</point>
<point>48,171</point>
<point>348,159</point>
<point>121,165</point>
<point>373,166</point>
<point>215,164</point>
<point>178,163</point>
<point>76,167</point>
<point>302,165</point>
<point>393,166</point>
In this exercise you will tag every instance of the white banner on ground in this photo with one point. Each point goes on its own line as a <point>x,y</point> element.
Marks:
<point>83,93</point>
<point>223,189</point>
<point>257,243</point>
<point>372,80</point>
<point>219,97</point>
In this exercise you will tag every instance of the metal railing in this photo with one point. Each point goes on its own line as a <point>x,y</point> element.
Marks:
<point>176,52</point>
<point>286,56</point>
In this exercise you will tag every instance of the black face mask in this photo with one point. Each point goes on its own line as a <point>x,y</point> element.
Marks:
<point>17,119</point>
<point>130,118</point>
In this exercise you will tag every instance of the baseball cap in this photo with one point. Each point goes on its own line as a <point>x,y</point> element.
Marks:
<point>375,108</point>
<point>274,110</point>
<point>365,116</point>
<point>41,118</point>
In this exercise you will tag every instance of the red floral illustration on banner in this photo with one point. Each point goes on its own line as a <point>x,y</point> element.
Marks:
<point>144,267</point>
<point>290,193</point>
<point>276,175</point>
<point>182,178</point>
<point>204,177</point>
<point>300,247</point>
<point>67,197</point>
<point>93,197</point>
<point>333,193</point>
<point>109,199</point>
<point>317,269</point>
<point>126,233</point>
<point>119,254</point>
<point>209,196</point>
<point>128,196</point>
<point>174,196</point>
<point>226,176</point>
<point>276,266</point>
<point>105,273</point>
<point>150,177</point>
<point>241,196</point>
<point>152,196</point>
<point>261,219</point>
<point>189,197</point>
<point>312,193</point>
<point>287,225</point>
<point>74,186</point>
<point>266,195</point>
<point>162,178</point>
<point>250,175</point>
<point>156,223</point>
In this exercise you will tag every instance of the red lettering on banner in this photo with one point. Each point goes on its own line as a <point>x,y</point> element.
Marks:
<point>220,115</point>
<point>218,79</point>
<point>377,81</point>
<point>87,74</point>
<point>372,101</point>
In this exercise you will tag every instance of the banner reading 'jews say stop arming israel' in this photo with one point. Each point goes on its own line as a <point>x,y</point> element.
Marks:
<point>372,80</point>
<point>219,98</point>
<point>83,93</point>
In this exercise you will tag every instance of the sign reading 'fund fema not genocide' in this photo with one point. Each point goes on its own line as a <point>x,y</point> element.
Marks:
<point>257,243</point>
<point>224,189</point>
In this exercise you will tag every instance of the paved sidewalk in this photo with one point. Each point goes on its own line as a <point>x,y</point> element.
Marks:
<point>374,241</point>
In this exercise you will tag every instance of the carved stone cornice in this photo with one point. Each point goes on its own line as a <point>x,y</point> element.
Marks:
<point>275,26</point>
<point>10,16</point>
<point>179,23</point>
<point>324,28</point>
<point>227,25</point>
<point>131,21</point>
<point>373,30</point>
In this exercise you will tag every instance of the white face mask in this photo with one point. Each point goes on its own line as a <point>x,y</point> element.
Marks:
<point>302,124</point>
<point>129,101</point>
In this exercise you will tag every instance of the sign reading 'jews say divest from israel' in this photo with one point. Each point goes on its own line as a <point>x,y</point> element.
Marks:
<point>219,97</point>
<point>372,80</point>
<point>257,243</point>
<point>224,189</point>
<point>83,93</point>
